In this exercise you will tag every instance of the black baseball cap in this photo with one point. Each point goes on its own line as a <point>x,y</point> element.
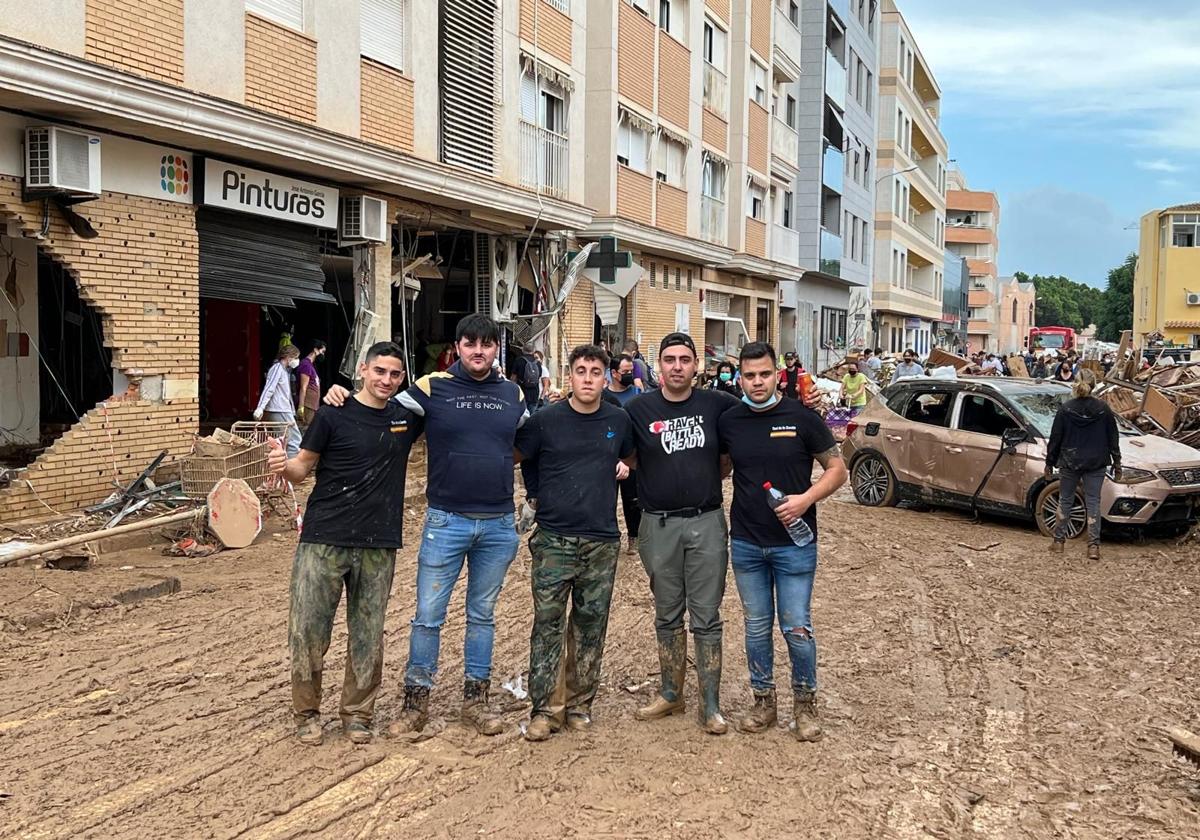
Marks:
<point>677,339</point>
<point>789,355</point>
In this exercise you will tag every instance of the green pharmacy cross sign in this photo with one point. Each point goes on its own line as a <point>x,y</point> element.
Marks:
<point>607,259</point>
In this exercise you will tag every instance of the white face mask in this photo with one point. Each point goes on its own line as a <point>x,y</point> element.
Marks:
<point>293,363</point>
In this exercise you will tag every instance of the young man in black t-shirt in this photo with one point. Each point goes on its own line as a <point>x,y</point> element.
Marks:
<point>352,528</point>
<point>683,537</point>
<point>773,439</point>
<point>571,455</point>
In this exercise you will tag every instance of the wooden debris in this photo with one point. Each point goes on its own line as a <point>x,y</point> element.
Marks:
<point>1163,400</point>
<point>1184,744</point>
<point>234,513</point>
<point>987,547</point>
<point>1016,366</point>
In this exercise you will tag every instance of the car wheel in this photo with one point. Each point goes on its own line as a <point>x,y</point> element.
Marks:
<point>874,482</point>
<point>1045,511</point>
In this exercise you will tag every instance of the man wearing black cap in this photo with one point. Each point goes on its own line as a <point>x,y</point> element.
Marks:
<point>789,377</point>
<point>683,537</point>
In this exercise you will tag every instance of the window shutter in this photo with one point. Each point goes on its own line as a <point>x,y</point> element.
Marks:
<point>288,12</point>
<point>469,63</point>
<point>381,24</point>
<point>529,97</point>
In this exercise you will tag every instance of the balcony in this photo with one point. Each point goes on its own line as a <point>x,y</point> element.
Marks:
<point>716,91</point>
<point>785,245</point>
<point>785,143</point>
<point>787,41</point>
<point>833,169</point>
<point>841,8</point>
<point>831,253</point>
<point>544,163</point>
<point>712,220</point>
<point>835,80</point>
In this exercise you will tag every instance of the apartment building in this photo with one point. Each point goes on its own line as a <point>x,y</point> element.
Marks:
<point>972,232</point>
<point>215,178</point>
<point>1166,286</point>
<point>828,310</point>
<point>910,196</point>
<point>951,332</point>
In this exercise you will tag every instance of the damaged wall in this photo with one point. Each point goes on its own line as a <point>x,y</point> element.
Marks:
<point>18,374</point>
<point>141,275</point>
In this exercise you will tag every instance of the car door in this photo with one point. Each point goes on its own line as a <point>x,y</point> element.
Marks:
<point>917,436</point>
<point>972,445</point>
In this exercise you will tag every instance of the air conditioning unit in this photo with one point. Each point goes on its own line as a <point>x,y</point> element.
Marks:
<point>61,160</point>
<point>363,219</point>
<point>496,276</point>
<point>1193,298</point>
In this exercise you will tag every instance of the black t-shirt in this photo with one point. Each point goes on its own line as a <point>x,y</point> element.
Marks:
<point>358,500</point>
<point>776,446</point>
<point>526,371</point>
<point>679,459</point>
<point>571,460</point>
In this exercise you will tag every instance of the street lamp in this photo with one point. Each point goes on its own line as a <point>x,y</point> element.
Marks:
<point>890,174</point>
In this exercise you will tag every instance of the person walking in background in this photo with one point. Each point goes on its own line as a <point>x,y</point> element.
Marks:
<point>789,377</point>
<point>1064,371</point>
<point>526,371</point>
<point>874,365</point>
<point>308,390</point>
<point>444,359</point>
<point>1084,443</point>
<point>546,383</point>
<point>865,366</point>
<point>275,403</point>
<point>854,389</point>
<point>909,367</point>
<point>726,380</point>
<point>622,389</point>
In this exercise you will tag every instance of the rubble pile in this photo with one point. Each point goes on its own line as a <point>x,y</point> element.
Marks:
<point>1162,400</point>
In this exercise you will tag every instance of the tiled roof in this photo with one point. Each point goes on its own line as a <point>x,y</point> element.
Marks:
<point>1184,208</point>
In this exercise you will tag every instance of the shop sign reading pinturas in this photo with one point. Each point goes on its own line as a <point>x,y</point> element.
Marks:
<point>246,190</point>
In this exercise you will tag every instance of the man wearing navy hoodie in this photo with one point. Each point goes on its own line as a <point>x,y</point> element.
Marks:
<point>471,415</point>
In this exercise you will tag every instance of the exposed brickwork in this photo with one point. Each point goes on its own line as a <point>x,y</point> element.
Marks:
<point>674,81</point>
<point>281,70</point>
<point>634,195</point>
<point>761,18</point>
<point>140,274</point>
<point>578,321</point>
<point>387,106</point>
<point>554,29</point>
<point>635,57</point>
<point>654,307</point>
<point>757,138</point>
<point>139,36</point>
<point>715,132</point>
<point>720,8</point>
<point>756,237</point>
<point>671,208</point>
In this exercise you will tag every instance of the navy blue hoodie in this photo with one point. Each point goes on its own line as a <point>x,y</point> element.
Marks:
<point>470,426</point>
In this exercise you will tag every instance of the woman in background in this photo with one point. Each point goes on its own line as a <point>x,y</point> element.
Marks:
<point>275,404</point>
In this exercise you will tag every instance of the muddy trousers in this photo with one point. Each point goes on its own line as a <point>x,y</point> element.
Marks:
<point>1093,483</point>
<point>319,574</point>
<point>686,558</point>
<point>579,572</point>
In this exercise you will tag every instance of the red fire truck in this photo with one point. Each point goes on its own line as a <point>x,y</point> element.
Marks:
<point>1051,338</point>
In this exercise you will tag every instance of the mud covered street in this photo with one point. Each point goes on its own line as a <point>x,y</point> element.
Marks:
<point>965,693</point>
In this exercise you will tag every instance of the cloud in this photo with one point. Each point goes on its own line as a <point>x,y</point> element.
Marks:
<point>1170,183</point>
<point>1128,68</point>
<point>1160,165</point>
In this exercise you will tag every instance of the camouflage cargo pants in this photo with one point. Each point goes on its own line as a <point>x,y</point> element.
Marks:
<point>580,572</point>
<point>318,576</point>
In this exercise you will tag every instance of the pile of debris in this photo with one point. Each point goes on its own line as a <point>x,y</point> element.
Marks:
<point>1162,400</point>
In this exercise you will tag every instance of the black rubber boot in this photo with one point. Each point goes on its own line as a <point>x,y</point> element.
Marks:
<point>672,662</point>
<point>708,674</point>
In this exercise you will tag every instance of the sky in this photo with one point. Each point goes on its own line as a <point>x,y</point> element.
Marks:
<point>1082,116</point>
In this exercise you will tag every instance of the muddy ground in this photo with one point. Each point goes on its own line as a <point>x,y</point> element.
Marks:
<point>999,693</point>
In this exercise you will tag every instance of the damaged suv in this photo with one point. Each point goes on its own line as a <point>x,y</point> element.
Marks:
<point>980,444</point>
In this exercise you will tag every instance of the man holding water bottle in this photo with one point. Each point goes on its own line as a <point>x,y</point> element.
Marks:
<point>773,443</point>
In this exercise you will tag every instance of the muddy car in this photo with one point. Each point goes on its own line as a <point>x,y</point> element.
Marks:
<point>980,444</point>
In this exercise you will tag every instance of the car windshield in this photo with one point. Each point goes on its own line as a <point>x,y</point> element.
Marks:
<point>1050,341</point>
<point>1040,407</point>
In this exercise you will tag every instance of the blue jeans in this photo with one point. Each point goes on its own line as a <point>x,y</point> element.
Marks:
<point>488,546</point>
<point>770,578</point>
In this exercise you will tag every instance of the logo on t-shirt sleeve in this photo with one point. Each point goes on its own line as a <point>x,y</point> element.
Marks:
<point>679,434</point>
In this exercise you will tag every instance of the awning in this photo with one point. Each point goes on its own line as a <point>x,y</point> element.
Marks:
<point>635,119</point>
<point>535,66</point>
<point>262,261</point>
<point>608,306</point>
<point>1182,325</point>
<point>675,135</point>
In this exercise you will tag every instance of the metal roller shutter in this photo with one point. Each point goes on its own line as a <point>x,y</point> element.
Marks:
<point>259,261</point>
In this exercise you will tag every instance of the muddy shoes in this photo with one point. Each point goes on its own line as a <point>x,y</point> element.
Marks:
<point>475,709</point>
<point>762,715</point>
<point>1057,546</point>
<point>804,716</point>
<point>540,728</point>
<point>672,660</point>
<point>708,675</point>
<point>309,731</point>
<point>415,713</point>
<point>358,732</point>
<point>1093,552</point>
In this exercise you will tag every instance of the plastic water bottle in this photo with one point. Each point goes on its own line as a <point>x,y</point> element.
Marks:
<point>799,531</point>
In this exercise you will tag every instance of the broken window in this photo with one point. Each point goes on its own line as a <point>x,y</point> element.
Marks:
<point>983,415</point>
<point>929,407</point>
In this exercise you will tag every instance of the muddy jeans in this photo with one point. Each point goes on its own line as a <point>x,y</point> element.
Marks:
<point>580,571</point>
<point>686,559</point>
<point>1093,483</point>
<point>779,579</point>
<point>318,575</point>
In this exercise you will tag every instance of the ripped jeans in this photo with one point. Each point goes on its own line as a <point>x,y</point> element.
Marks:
<point>771,579</point>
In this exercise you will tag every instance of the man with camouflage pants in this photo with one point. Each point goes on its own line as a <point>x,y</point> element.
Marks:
<point>352,528</point>
<point>570,457</point>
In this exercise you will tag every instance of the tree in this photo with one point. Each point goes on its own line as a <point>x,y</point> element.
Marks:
<point>1063,302</point>
<point>1116,306</point>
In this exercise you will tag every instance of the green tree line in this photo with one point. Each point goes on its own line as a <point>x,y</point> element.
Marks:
<point>1064,302</point>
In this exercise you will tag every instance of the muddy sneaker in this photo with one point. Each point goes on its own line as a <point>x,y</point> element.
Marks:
<point>1093,552</point>
<point>310,732</point>
<point>632,548</point>
<point>1057,546</point>
<point>540,728</point>
<point>804,717</point>
<point>415,713</point>
<point>579,721</point>
<point>358,732</point>
<point>475,709</point>
<point>762,716</point>
<point>672,661</point>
